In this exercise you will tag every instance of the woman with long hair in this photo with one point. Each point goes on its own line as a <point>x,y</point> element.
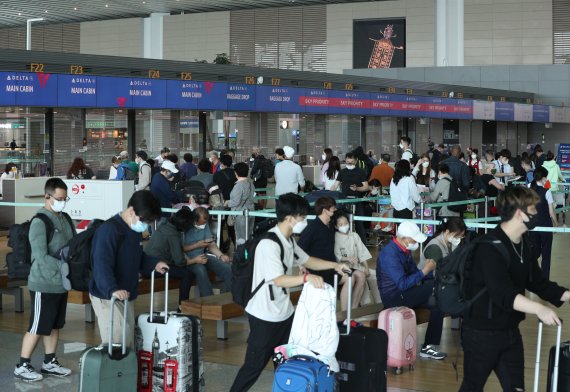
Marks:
<point>332,172</point>
<point>80,171</point>
<point>326,157</point>
<point>424,173</point>
<point>404,191</point>
<point>474,161</point>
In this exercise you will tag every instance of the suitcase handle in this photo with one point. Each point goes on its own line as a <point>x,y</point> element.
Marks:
<point>165,296</point>
<point>556,357</point>
<point>349,299</point>
<point>124,332</point>
<point>306,358</point>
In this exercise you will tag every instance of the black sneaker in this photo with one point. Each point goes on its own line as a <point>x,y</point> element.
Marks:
<point>430,352</point>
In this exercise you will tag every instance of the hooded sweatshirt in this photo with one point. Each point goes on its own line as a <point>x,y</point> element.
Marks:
<point>166,244</point>
<point>554,173</point>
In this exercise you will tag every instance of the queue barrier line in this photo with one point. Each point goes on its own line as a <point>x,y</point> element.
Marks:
<point>13,204</point>
<point>455,203</point>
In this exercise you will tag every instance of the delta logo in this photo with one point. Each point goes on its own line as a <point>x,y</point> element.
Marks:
<point>43,78</point>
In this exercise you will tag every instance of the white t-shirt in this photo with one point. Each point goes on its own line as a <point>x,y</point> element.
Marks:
<point>112,173</point>
<point>288,177</point>
<point>408,154</point>
<point>268,266</point>
<point>329,183</point>
<point>405,195</point>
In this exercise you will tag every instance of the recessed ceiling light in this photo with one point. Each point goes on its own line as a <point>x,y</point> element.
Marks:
<point>75,8</point>
<point>106,5</point>
<point>46,11</point>
<point>144,2</point>
<point>19,14</point>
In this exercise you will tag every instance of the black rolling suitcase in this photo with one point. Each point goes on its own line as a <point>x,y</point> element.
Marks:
<point>558,365</point>
<point>362,355</point>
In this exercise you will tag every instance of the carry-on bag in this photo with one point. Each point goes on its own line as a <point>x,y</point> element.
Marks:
<point>400,325</point>
<point>169,346</point>
<point>559,359</point>
<point>112,367</point>
<point>362,356</point>
<point>303,373</point>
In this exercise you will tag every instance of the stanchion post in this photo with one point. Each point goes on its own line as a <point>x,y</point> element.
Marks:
<point>351,220</point>
<point>219,231</point>
<point>486,210</point>
<point>422,225</point>
<point>246,213</point>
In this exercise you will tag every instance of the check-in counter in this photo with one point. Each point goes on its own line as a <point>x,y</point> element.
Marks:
<point>312,173</point>
<point>88,199</point>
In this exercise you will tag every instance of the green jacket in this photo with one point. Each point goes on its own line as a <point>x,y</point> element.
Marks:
<point>45,275</point>
<point>166,244</point>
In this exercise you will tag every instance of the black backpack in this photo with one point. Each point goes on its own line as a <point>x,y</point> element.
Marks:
<point>77,254</point>
<point>19,261</point>
<point>452,273</point>
<point>456,194</point>
<point>242,269</point>
<point>415,157</point>
<point>196,189</point>
<point>267,168</point>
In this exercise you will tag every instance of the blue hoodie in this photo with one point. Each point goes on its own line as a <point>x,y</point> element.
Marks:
<point>116,259</point>
<point>396,271</point>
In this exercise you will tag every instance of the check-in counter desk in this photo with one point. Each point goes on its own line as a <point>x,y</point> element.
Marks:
<point>88,199</point>
<point>312,173</point>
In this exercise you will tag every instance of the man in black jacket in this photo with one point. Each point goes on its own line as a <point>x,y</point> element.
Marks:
<point>458,170</point>
<point>491,338</point>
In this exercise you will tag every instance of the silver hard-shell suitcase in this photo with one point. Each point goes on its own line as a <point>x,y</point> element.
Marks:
<point>169,347</point>
<point>111,367</point>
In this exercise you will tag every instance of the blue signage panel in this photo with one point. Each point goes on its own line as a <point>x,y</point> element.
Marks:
<point>35,89</point>
<point>563,156</point>
<point>540,113</point>
<point>77,91</point>
<point>8,89</point>
<point>148,93</point>
<point>213,96</point>
<point>339,101</point>
<point>315,100</point>
<point>113,92</point>
<point>504,111</point>
<point>279,99</point>
<point>182,94</point>
<point>241,97</point>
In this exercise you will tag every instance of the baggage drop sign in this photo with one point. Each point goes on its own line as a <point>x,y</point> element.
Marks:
<point>564,156</point>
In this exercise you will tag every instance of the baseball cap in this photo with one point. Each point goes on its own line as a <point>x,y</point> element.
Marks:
<point>411,230</point>
<point>289,151</point>
<point>169,166</point>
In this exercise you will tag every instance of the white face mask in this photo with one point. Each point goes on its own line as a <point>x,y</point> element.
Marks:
<point>454,241</point>
<point>58,205</point>
<point>300,226</point>
<point>413,246</point>
<point>350,167</point>
<point>401,146</point>
<point>200,227</point>
<point>324,156</point>
<point>473,156</point>
<point>344,229</point>
<point>374,192</point>
<point>425,164</point>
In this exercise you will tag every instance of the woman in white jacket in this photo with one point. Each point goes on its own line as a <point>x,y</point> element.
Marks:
<point>404,191</point>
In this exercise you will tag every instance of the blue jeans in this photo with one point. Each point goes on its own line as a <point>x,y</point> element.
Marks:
<point>214,264</point>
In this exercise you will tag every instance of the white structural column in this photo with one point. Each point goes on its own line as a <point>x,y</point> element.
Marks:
<point>449,30</point>
<point>153,36</point>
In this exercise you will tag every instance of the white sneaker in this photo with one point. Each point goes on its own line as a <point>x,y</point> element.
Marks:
<point>27,372</point>
<point>54,368</point>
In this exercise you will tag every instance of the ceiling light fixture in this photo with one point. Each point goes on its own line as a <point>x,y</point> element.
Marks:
<point>106,5</point>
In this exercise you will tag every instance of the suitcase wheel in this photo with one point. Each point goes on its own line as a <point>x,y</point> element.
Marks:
<point>398,371</point>
<point>412,367</point>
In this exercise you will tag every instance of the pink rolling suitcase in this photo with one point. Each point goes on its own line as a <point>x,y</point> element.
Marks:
<point>400,325</point>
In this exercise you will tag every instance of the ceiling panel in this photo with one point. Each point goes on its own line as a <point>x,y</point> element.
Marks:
<point>15,12</point>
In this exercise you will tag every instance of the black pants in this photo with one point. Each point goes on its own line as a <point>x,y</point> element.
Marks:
<point>487,351</point>
<point>264,336</point>
<point>403,214</point>
<point>542,244</point>
<point>418,297</point>
<point>186,277</point>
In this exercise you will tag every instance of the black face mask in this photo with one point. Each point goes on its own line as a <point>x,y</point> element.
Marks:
<point>532,221</point>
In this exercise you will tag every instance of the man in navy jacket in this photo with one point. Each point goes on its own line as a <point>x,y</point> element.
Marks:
<point>117,258</point>
<point>458,170</point>
<point>160,186</point>
<point>401,283</point>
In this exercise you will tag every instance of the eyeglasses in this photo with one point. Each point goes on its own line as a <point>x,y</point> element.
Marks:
<point>59,199</point>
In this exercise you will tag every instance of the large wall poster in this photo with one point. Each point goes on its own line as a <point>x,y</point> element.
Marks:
<point>379,43</point>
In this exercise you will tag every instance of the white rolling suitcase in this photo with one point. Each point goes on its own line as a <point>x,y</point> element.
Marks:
<point>169,348</point>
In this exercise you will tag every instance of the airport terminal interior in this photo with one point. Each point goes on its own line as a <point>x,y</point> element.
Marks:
<point>103,79</point>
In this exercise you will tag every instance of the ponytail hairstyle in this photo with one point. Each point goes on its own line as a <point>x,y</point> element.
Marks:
<point>539,174</point>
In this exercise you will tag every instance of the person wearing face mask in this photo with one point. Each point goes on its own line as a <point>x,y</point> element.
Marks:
<point>383,172</point>
<point>118,259</point>
<point>215,161</point>
<point>317,240</point>
<point>203,255</point>
<point>404,191</point>
<point>546,217</point>
<point>474,161</point>
<point>402,283</point>
<point>353,183</point>
<point>160,187</point>
<point>270,311</point>
<point>115,162</point>
<point>423,172</point>
<point>325,157</point>
<point>441,191</point>
<point>491,338</point>
<point>288,175</point>
<point>504,170</point>
<point>448,237</point>
<point>47,293</point>
<point>349,248</point>
<point>144,175</point>
<point>404,145</point>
